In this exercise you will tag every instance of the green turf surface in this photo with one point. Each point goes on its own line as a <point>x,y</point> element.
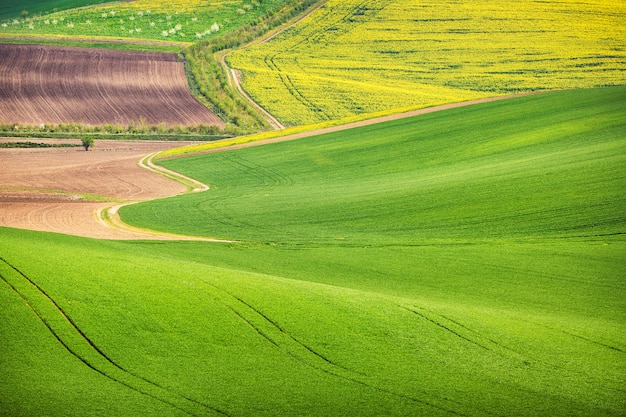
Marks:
<point>14,9</point>
<point>544,166</point>
<point>498,290</point>
<point>521,338</point>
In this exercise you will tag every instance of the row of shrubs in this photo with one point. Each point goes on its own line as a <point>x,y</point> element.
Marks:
<point>29,144</point>
<point>133,128</point>
<point>208,79</point>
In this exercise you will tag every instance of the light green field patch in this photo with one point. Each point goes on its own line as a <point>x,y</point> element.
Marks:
<point>426,266</point>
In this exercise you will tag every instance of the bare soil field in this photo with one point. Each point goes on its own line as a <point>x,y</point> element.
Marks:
<point>54,189</point>
<point>51,84</point>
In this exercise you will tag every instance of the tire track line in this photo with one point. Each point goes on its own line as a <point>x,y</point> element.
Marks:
<point>134,381</point>
<point>523,357</point>
<point>446,328</point>
<point>234,75</point>
<point>311,358</point>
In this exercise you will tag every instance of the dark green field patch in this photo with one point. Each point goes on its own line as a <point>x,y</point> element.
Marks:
<point>10,10</point>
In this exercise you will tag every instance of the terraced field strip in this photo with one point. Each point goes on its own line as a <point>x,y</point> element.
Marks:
<point>44,84</point>
<point>79,344</point>
<point>14,38</point>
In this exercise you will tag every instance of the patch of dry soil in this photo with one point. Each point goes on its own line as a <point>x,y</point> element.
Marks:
<point>53,189</point>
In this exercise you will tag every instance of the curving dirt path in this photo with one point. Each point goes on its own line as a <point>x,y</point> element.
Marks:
<point>234,75</point>
<point>70,191</point>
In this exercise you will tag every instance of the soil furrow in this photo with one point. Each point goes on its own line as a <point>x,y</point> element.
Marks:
<point>50,84</point>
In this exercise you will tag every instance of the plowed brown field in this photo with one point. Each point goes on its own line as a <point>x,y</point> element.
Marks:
<point>44,84</point>
<point>44,189</point>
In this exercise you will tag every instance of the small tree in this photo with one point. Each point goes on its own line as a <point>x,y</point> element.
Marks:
<point>87,142</point>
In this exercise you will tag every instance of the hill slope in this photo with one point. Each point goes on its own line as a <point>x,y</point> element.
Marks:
<point>545,166</point>
<point>362,56</point>
<point>498,290</point>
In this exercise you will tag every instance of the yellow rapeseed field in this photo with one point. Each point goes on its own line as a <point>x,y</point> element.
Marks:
<point>353,57</point>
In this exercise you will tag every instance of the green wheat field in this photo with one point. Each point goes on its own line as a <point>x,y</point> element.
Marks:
<point>468,262</point>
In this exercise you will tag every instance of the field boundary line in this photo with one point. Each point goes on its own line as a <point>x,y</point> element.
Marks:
<point>109,216</point>
<point>234,75</point>
<point>193,186</point>
<point>251,140</point>
<point>8,37</point>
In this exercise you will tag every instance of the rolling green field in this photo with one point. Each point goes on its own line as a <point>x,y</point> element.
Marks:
<point>13,10</point>
<point>467,262</point>
<point>542,166</point>
<point>183,21</point>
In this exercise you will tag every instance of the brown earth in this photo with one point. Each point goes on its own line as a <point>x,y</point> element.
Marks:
<point>51,84</point>
<point>45,188</point>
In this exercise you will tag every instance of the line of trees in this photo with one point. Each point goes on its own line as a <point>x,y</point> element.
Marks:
<point>209,80</point>
<point>139,128</point>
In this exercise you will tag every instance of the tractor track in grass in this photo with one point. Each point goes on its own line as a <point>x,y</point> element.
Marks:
<point>78,344</point>
<point>290,345</point>
<point>492,346</point>
<point>234,75</point>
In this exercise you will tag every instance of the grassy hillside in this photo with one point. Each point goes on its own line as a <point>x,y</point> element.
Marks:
<point>544,166</point>
<point>356,57</point>
<point>174,21</point>
<point>465,263</point>
<point>177,334</point>
<point>14,10</point>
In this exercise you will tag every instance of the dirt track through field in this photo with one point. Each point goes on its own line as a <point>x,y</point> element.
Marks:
<point>53,189</point>
<point>50,84</point>
<point>49,189</point>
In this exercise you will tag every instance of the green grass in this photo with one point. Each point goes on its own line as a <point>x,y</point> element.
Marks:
<point>104,44</point>
<point>10,10</point>
<point>177,21</point>
<point>520,337</point>
<point>545,166</point>
<point>499,289</point>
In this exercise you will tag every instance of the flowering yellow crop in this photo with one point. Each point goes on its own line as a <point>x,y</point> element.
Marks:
<point>352,57</point>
